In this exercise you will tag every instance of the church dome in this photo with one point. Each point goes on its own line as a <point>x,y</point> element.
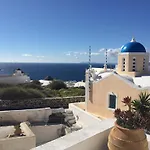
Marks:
<point>133,47</point>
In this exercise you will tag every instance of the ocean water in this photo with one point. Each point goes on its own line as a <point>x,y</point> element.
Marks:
<point>63,71</point>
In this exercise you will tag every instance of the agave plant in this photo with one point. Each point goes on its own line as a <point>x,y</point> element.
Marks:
<point>142,105</point>
<point>138,113</point>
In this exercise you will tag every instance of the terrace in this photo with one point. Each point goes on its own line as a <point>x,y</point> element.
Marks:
<point>37,126</point>
<point>87,131</point>
<point>93,135</point>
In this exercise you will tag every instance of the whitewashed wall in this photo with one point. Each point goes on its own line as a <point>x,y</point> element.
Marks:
<point>17,143</point>
<point>46,133</point>
<point>6,130</point>
<point>84,118</point>
<point>14,79</point>
<point>89,138</point>
<point>31,115</point>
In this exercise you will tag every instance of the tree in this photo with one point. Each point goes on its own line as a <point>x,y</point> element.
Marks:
<point>57,85</point>
<point>48,78</point>
<point>36,82</point>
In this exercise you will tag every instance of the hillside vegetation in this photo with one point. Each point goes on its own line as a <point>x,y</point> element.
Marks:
<point>34,90</point>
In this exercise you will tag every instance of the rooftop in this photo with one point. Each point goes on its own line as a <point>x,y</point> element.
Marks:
<point>99,74</point>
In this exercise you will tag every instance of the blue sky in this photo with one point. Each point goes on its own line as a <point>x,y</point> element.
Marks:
<point>62,30</point>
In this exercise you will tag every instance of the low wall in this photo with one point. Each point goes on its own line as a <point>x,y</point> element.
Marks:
<point>148,138</point>
<point>6,130</point>
<point>83,117</point>
<point>19,143</point>
<point>89,138</point>
<point>55,102</point>
<point>31,115</point>
<point>46,133</point>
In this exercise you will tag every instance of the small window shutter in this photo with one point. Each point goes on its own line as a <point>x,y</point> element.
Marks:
<point>112,101</point>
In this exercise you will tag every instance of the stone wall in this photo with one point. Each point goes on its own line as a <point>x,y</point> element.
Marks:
<point>55,102</point>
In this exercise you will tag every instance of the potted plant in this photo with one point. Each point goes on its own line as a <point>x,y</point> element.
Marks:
<point>17,132</point>
<point>129,130</point>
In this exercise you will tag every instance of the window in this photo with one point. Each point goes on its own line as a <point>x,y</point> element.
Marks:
<point>123,69</point>
<point>134,58</point>
<point>143,64</point>
<point>143,67</point>
<point>134,63</point>
<point>123,64</point>
<point>112,101</point>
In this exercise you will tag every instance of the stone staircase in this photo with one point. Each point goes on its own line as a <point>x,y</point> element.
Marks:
<point>66,117</point>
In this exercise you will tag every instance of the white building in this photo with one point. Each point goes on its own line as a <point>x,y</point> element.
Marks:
<point>18,77</point>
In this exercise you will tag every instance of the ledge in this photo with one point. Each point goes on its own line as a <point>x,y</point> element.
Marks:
<point>93,137</point>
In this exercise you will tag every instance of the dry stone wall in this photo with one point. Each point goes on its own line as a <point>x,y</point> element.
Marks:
<point>56,102</point>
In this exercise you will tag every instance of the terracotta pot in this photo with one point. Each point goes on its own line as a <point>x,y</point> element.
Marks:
<point>125,139</point>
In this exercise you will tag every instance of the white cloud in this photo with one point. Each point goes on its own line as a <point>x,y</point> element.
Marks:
<point>68,54</point>
<point>111,52</point>
<point>95,54</point>
<point>40,56</point>
<point>102,50</point>
<point>71,53</point>
<point>83,53</point>
<point>26,55</point>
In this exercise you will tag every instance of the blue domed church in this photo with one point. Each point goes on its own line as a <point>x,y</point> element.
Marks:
<point>133,59</point>
<point>105,88</point>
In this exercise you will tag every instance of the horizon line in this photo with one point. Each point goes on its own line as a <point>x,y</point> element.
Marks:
<point>63,62</point>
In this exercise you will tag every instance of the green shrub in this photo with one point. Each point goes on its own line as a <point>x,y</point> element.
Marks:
<point>72,92</point>
<point>2,85</point>
<point>34,90</point>
<point>81,87</point>
<point>57,85</point>
<point>31,85</point>
<point>37,82</point>
<point>50,93</point>
<point>49,78</point>
<point>14,93</point>
<point>35,93</point>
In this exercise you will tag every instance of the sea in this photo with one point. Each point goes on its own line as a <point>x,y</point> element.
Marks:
<point>62,71</point>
